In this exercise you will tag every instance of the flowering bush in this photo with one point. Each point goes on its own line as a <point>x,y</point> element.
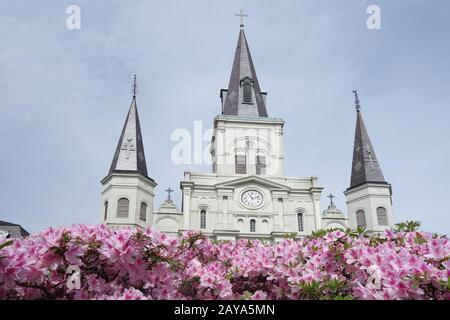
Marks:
<point>145,264</point>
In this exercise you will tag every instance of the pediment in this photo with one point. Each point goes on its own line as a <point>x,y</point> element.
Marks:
<point>253,180</point>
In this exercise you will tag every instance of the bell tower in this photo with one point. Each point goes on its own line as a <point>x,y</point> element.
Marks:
<point>128,191</point>
<point>369,197</point>
<point>246,141</point>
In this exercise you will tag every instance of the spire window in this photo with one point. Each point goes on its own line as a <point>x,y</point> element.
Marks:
<point>247,86</point>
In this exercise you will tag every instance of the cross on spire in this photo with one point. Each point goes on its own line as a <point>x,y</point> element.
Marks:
<point>241,15</point>
<point>331,199</point>
<point>128,147</point>
<point>357,105</point>
<point>169,191</point>
<point>370,157</point>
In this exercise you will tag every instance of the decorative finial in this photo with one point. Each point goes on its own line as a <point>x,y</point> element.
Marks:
<point>331,199</point>
<point>241,15</point>
<point>134,86</point>
<point>357,105</point>
<point>169,191</point>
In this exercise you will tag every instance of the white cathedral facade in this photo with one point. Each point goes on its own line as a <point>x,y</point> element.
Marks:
<point>247,194</point>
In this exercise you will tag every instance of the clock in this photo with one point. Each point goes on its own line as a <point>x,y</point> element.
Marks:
<point>252,198</point>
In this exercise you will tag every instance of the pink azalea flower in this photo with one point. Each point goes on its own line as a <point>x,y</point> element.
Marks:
<point>124,267</point>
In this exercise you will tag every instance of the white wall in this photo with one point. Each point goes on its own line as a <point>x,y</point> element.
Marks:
<point>368,198</point>
<point>136,189</point>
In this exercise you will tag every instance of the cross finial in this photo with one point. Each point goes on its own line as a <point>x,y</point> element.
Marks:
<point>357,105</point>
<point>134,86</point>
<point>331,199</point>
<point>169,191</point>
<point>241,15</point>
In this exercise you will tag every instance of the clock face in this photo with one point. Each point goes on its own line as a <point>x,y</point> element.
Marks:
<point>252,198</point>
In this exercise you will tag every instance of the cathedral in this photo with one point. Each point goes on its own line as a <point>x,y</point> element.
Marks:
<point>246,194</point>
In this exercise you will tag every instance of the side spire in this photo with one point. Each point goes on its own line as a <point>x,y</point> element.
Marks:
<point>365,166</point>
<point>244,97</point>
<point>129,155</point>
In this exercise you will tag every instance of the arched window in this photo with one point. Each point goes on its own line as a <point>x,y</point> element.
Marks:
<point>240,164</point>
<point>252,225</point>
<point>123,207</point>
<point>300,221</point>
<point>203,219</point>
<point>360,219</point>
<point>106,209</point>
<point>382,216</point>
<point>247,91</point>
<point>143,211</point>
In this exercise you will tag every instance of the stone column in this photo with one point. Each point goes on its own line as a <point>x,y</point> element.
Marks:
<point>276,214</point>
<point>281,152</point>
<point>315,198</point>
<point>186,208</point>
<point>281,209</point>
<point>220,213</point>
<point>225,210</point>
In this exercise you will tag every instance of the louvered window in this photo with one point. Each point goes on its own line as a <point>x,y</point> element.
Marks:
<point>247,91</point>
<point>241,164</point>
<point>123,207</point>
<point>143,212</point>
<point>382,216</point>
<point>360,219</point>
<point>260,165</point>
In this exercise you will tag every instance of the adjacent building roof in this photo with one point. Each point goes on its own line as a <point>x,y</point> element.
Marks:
<point>129,155</point>
<point>365,166</point>
<point>243,68</point>
<point>14,230</point>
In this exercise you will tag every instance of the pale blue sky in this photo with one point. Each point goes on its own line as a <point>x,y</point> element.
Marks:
<point>64,94</point>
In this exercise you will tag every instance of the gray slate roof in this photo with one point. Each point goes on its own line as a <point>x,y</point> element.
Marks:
<point>129,155</point>
<point>243,67</point>
<point>365,166</point>
<point>14,230</point>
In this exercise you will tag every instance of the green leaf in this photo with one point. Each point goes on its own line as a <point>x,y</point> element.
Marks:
<point>341,297</point>
<point>5,244</point>
<point>246,295</point>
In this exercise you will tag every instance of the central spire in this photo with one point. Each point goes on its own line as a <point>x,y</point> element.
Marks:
<point>244,96</point>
